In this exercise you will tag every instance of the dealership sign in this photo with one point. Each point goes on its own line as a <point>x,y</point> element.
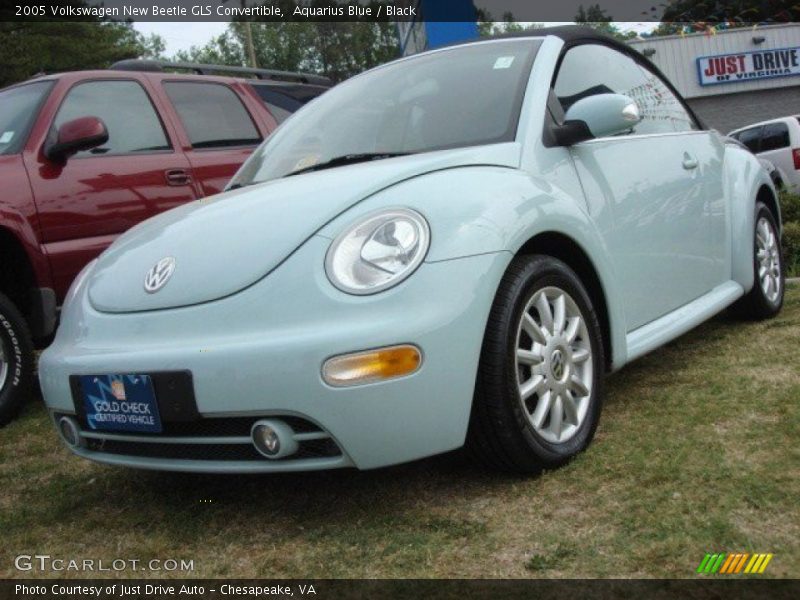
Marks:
<point>747,66</point>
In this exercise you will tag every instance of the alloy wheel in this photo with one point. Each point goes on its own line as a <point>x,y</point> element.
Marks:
<point>769,260</point>
<point>554,365</point>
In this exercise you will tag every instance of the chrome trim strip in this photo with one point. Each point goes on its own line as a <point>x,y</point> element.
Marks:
<point>311,435</point>
<point>621,138</point>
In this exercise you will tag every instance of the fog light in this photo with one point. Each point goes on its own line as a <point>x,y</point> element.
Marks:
<point>274,439</point>
<point>267,440</point>
<point>69,431</point>
<point>372,365</point>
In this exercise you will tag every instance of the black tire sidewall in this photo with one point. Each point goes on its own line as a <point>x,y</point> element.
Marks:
<point>18,345</point>
<point>544,272</point>
<point>762,304</point>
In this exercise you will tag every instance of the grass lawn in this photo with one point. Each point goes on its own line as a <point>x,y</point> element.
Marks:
<point>697,451</point>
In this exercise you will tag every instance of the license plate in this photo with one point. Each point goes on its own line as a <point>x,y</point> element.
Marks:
<point>120,403</point>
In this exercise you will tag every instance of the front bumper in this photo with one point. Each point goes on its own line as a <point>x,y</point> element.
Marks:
<point>259,354</point>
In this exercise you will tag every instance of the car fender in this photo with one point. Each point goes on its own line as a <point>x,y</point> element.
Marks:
<point>13,221</point>
<point>479,210</point>
<point>784,179</point>
<point>743,177</point>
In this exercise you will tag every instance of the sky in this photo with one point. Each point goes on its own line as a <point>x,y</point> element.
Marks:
<point>183,35</point>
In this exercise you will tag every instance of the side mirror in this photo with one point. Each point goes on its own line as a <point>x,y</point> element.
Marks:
<point>74,136</point>
<point>597,116</point>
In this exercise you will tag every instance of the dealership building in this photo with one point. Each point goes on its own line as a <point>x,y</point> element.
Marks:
<point>734,77</point>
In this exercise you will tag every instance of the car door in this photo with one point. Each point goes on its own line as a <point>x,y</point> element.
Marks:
<point>87,201</point>
<point>221,132</point>
<point>662,182</point>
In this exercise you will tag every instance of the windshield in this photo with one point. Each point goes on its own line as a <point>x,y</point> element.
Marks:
<point>18,108</point>
<point>464,96</point>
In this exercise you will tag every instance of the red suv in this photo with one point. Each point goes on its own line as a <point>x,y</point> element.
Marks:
<point>86,155</point>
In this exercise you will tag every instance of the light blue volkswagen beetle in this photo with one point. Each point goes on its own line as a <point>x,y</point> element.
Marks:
<point>450,249</point>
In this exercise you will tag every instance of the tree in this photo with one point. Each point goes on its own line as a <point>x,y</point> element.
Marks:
<point>731,12</point>
<point>221,50</point>
<point>281,45</point>
<point>36,47</point>
<point>338,50</point>
<point>153,46</point>
<point>596,18</point>
<point>487,26</point>
<point>700,16</point>
<point>248,37</point>
<point>663,29</point>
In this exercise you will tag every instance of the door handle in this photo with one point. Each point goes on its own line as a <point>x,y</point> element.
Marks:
<point>176,177</point>
<point>689,161</point>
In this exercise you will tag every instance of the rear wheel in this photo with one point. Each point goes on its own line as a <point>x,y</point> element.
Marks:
<point>16,360</point>
<point>539,386</point>
<point>766,298</point>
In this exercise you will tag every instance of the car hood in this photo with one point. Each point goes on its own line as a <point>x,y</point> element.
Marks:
<point>223,244</point>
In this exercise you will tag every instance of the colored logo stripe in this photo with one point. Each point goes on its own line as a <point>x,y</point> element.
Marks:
<point>732,558</point>
<point>734,563</point>
<point>711,563</point>
<point>740,564</point>
<point>758,563</point>
<point>704,563</point>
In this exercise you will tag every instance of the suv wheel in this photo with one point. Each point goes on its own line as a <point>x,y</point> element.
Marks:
<point>16,360</point>
<point>539,386</point>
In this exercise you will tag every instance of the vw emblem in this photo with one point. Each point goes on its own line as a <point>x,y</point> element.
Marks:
<point>557,364</point>
<point>158,276</point>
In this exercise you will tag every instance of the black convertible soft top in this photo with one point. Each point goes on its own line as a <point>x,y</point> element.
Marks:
<point>580,34</point>
<point>568,33</point>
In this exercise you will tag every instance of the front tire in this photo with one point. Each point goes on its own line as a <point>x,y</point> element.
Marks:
<point>538,392</point>
<point>16,360</point>
<point>765,300</point>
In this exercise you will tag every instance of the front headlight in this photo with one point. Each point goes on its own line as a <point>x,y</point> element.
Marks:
<point>378,252</point>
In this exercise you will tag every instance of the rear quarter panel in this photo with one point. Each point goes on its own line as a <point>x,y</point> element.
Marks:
<point>743,177</point>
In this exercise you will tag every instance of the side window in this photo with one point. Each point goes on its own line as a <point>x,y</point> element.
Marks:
<point>212,114</point>
<point>660,104</point>
<point>750,138</point>
<point>132,122</point>
<point>592,69</point>
<point>283,100</point>
<point>281,106</point>
<point>19,107</point>
<point>774,137</point>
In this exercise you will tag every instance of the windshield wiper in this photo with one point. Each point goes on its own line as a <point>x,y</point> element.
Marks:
<point>348,159</point>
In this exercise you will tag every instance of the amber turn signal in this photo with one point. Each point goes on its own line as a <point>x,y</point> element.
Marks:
<point>371,365</point>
